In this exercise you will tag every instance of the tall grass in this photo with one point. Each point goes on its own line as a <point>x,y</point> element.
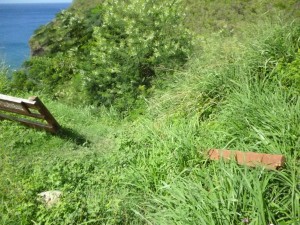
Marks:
<point>240,104</point>
<point>227,194</point>
<point>3,77</point>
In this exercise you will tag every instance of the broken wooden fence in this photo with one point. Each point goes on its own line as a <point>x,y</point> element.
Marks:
<point>21,110</point>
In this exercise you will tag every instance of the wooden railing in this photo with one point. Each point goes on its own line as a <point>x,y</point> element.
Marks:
<point>21,110</point>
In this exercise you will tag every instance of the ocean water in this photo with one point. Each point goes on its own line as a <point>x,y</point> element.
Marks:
<point>17,24</point>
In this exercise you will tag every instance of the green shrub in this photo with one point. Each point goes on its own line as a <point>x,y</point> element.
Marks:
<point>289,73</point>
<point>44,73</point>
<point>111,52</point>
<point>69,31</point>
<point>138,41</point>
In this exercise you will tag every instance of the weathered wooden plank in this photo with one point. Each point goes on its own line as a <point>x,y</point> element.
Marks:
<point>23,107</point>
<point>11,105</point>
<point>34,115</point>
<point>29,123</point>
<point>17,103</point>
<point>8,98</point>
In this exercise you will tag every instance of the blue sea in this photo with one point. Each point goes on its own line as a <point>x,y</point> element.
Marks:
<point>17,24</point>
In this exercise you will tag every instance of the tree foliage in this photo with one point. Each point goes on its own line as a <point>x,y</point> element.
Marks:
<point>138,41</point>
<point>114,50</point>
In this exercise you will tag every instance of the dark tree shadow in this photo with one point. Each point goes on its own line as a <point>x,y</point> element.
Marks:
<point>72,135</point>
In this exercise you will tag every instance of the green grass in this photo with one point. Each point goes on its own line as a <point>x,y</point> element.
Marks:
<point>153,168</point>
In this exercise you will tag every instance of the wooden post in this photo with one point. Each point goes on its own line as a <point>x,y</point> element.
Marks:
<point>45,112</point>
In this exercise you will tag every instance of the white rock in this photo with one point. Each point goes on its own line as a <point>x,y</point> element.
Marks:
<point>50,198</point>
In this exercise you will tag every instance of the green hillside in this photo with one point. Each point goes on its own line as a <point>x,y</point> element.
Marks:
<point>143,89</point>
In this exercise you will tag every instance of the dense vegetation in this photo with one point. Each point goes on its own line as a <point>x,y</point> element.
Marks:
<point>108,54</point>
<point>233,83</point>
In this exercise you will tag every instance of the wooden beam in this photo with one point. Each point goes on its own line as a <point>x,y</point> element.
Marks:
<point>21,112</point>
<point>46,113</point>
<point>29,123</point>
<point>8,98</point>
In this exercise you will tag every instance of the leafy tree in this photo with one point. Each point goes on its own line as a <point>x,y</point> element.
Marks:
<point>138,41</point>
<point>114,50</point>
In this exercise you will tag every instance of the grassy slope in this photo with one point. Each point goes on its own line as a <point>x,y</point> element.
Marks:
<point>153,169</point>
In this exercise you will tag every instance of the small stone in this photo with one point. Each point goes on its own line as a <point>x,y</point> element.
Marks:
<point>245,220</point>
<point>50,198</point>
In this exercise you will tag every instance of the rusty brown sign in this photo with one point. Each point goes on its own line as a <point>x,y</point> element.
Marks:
<point>31,112</point>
